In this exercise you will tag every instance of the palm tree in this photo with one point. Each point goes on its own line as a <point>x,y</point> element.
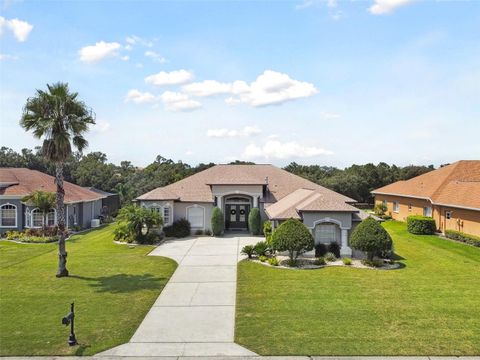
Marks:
<point>60,119</point>
<point>42,200</point>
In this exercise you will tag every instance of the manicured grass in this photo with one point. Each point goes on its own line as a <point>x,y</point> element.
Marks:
<point>113,287</point>
<point>431,306</point>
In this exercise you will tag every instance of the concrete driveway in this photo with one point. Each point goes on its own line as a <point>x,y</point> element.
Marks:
<point>195,313</point>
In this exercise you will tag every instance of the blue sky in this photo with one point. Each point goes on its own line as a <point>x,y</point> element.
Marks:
<point>317,82</point>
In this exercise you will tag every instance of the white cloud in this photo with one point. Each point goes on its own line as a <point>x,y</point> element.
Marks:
<point>8,57</point>
<point>332,3</point>
<point>134,40</point>
<point>101,126</point>
<point>381,7</point>
<point>329,115</point>
<point>175,101</point>
<point>125,58</point>
<point>274,149</point>
<point>138,97</point>
<point>20,29</point>
<point>208,88</point>
<point>99,51</point>
<point>305,4</point>
<point>223,132</point>
<point>269,88</point>
<point>176,77</point>
<point>139,65</point>
<point>189,152</point>
<point>155,56</point>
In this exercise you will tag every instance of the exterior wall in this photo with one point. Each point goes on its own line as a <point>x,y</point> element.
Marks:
<point>252,190</point>
<point>417,206</point>
<point>345,218</point>
<point>72,215</point>
<point>20,214</point>
<point>89,210</point>
<point>180,211</point>
<point>464,220</point>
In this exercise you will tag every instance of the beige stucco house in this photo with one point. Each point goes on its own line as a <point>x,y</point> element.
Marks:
<point>278,194</point>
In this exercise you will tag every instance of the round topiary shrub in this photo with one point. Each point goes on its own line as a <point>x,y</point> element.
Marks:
<point>217,222</point>
<point>255,221</point>
<point>421,225</point>
<point>294,237</point>
<point>369,236</point>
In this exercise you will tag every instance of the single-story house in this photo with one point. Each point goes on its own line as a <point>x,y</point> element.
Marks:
<point>81,205</point>
<point>110,201</point>
<point>450,194</point>
<point>278,194</point>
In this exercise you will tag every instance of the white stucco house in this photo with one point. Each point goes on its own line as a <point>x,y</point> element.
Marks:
<point>279,195</point>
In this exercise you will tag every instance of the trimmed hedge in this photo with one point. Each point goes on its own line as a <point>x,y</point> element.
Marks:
<point>255,221</point>
<point>217,222</point>
<point>421,225</point>
<point>369,236</point>
<point>292,236</point>
<point>462,237</point>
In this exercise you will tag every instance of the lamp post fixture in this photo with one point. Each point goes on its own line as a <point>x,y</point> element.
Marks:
<point>70,320</point>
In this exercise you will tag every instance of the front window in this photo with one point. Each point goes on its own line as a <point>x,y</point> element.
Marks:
<point>195,215</point>
<point>51,217</point>
<point>427,211</point>
<point>396,206</point>
<point>37,218</point>
<point>166,215</point>
<point>326,233</point>
<point>8,215</point>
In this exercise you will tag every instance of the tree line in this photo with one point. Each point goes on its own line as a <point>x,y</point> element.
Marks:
<point>129,181</point>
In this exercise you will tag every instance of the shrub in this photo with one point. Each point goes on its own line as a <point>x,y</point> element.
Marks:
<point>320,250</point>
<point>421,225</point>
<point>255,221</point>
<point>248,250</point>
<point>334,248</point>
<point>208,232</point>
<point>369,236</point>
<point>373,263</point>
<point>149,238</point>
<point>123,233</point>
<point>217,222</point>
<point>330,257</point>
<point>460,236</point>
<point>273,261</point>
<point>347,261</point>
<point>179,229</point>
<point>199,232</point>
<point>262,258</point>
<point>319,261</point>
<point>294,237</point>
<point>380,209</point>
<point>267,228</point>
<point>139,218</point>
<point>261,248</point>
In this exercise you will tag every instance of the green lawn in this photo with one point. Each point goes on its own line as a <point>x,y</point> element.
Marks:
<point>113,287</point>
<point>431,306</point>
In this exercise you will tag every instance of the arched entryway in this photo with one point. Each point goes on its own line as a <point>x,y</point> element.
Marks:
<point>237,208</point>
<point>326,233</point>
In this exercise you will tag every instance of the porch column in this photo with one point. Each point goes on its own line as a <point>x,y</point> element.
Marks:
<point>219,202</point>
<point>345,250</point>
<point>255,201</point>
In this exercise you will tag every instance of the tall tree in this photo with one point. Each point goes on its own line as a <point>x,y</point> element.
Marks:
<point>60,120</point>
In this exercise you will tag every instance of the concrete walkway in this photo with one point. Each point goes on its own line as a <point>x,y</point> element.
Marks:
<point>195,313</point>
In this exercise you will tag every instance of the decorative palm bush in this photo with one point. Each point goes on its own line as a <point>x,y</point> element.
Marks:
<point>369,236</point>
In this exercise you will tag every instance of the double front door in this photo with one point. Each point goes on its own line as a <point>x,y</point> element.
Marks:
<point>237,216</point>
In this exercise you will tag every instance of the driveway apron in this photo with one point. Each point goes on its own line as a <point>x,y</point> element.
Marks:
<point>195,313</point>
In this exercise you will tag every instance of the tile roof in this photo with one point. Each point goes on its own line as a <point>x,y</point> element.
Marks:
<point>196,188</point>
<point>27,181</point>
<point>456,185</point>
<point>307,200</point>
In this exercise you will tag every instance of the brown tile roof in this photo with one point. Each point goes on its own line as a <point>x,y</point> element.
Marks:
<point>28,181</point>
<point>305,200</point>
<point>196,188</point>
<point>456,185</point>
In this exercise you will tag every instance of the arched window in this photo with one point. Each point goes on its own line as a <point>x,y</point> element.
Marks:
<point>8,215</point>
<point>37,218</point>
<point>52,217</point>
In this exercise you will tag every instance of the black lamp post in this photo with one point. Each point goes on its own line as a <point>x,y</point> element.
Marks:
<point>70,320</point>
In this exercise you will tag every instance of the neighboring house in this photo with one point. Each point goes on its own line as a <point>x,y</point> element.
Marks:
<point>450,194</point>
<point>236,189</point>
<point>81,205</point>
<point>110,202</point>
